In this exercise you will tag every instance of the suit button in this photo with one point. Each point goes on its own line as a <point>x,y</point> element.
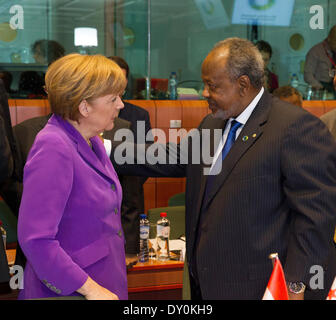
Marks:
<point>116,210</point>
<point>113,187</point>
<point>120,233</point>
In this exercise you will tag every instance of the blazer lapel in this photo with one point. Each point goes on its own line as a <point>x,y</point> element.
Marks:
<point>251,132</point>
<point>94,158</point>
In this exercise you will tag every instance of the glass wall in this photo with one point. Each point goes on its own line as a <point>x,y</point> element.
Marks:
<point>156,37</point>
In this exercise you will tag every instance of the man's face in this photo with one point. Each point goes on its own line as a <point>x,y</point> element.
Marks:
<point>222,94</point>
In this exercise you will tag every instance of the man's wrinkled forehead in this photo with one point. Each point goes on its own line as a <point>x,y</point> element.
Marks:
<point>215,61</point>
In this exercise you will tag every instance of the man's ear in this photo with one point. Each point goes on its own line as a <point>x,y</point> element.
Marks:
<point>84,108</point>
<point>244,85</point>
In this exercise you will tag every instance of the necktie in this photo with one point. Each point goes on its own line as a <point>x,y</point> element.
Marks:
<point>231,138</point>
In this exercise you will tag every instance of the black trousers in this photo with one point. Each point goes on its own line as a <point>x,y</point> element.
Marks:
<point>195,288</point>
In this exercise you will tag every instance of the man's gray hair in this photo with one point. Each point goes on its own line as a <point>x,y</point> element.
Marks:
<point>244,58</point>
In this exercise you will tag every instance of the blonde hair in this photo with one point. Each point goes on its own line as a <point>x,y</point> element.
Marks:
<point>74,78</point>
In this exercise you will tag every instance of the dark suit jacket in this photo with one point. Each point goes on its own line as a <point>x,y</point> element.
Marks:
<point>6,159</point>
<point>5,114</point>
<point>275,193</point>
<point>4,270</point>
<point>133,199</point>
<point>133,113</point>
<point>8,188</point>
<point>24,134</point>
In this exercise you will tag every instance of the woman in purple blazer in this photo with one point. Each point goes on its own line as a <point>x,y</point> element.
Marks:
<point>69,221</point>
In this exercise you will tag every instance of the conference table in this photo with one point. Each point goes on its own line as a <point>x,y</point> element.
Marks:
<point>156,280</point>
<point>152,280</point>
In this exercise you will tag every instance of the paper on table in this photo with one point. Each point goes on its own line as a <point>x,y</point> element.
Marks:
<point>175,244</point>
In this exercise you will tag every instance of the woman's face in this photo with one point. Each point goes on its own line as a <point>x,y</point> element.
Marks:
<point>103,111</point>
<point>39,58</point>
<point>266,57</point>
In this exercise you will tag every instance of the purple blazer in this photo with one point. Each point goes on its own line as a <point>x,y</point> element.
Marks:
<point>69,223</point>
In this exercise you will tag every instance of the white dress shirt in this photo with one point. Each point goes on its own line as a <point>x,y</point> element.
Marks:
<point>108,146</point>
<point>242,118</point>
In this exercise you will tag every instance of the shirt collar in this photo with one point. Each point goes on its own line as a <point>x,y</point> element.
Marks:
<point>245,115</point>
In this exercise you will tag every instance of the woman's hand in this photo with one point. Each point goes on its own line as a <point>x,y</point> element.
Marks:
<point>91,290</point>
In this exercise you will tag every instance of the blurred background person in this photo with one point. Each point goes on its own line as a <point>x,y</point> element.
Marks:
<point>133,191</point>
<point>271,79</point>
<point>329,118</point>
<point>47,51</point>
<point>6,160</point>
<point>8,188</point>
<point>289,94</point>
<point>7,79</point>
<point>31,85</point>
<point>69,223</point>
<point>320,63</point>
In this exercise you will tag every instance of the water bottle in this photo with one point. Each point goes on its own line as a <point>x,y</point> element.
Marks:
<point>162,237</point>
<point>4,234</point>
<point>309,92</point>
<point>173,86</point>
<point>294,82</point>
<point>144,236</point>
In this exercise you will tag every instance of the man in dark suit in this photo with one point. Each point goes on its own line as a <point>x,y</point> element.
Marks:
<point>25,133</point>
<point>4,270</point>
<point>7,169</point>
<point>7,189</point>
<point>132,113</point>
<point>275,191</point>
<point>6,159</point>
<point>139,119</point>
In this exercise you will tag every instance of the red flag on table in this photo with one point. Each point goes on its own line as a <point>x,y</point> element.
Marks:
<point>332,292</point>
<point>276,287</point>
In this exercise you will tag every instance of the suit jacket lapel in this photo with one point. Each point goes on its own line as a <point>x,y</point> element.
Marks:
<point>212,125</point>
<point>251,132</point>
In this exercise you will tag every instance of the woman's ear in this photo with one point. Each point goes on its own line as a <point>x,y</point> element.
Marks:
<point>84,108</point>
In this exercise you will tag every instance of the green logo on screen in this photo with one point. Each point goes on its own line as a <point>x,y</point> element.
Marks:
<point>261,4</point>
<point>208,7</point>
